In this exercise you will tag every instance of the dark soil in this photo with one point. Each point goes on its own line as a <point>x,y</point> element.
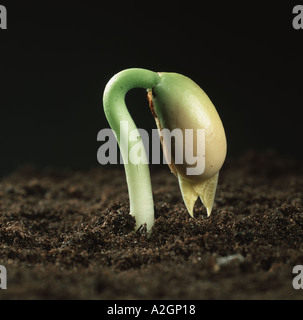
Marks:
<point>68,235</point>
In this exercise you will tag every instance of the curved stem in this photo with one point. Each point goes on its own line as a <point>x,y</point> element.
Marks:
<point>137,175</point>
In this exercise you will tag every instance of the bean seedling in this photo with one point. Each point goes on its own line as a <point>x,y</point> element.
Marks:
<point>176,103</point>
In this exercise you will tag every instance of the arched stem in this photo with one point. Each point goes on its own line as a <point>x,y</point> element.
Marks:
<point>137,175</point>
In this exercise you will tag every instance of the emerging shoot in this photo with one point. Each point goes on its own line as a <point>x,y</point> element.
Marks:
<point>176,103</point>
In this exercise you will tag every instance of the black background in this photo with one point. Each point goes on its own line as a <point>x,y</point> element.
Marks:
<point>56,58</point>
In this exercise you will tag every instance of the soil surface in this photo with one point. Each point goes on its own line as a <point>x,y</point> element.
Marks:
<point>68,235</point>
